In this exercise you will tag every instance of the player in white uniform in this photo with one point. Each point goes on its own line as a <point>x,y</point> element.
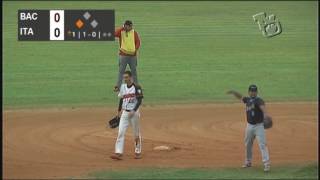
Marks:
<point>130,100</point>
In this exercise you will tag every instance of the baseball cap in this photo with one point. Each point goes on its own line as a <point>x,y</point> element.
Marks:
<point>128,22</point>
<point>253,88</point>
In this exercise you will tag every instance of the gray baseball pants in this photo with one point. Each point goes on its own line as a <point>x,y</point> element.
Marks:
<point>252,131</point>
<point>123,61</point>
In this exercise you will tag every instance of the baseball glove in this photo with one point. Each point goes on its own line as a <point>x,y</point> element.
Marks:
<point>267,122</point>
<point>114,122</point>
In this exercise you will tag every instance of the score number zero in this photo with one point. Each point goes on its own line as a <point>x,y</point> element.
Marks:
<point>56,24</point>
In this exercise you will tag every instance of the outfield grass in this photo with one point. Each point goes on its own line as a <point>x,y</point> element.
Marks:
<point>191,52</point>
<point>283,172</point>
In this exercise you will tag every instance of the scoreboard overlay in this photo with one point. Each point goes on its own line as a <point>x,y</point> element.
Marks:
<point>66,25</point>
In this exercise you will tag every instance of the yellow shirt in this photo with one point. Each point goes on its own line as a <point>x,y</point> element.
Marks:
<point>127,42</point>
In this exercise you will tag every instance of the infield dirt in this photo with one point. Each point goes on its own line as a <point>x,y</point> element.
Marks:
<point>48,143</point>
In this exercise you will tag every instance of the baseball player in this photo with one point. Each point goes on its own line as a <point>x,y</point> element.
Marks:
<point>130,96</point>
<point>256,112</point>
<point>129,42</point>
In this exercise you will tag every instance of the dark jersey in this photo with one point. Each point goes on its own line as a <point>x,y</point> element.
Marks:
<point>254,113</point>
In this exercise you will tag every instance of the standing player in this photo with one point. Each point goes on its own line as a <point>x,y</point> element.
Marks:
<point>256,112</point>
<point>130,100</point>
<point>129,42</point>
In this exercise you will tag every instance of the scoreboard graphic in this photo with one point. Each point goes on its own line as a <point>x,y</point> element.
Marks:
<point>66,25</point>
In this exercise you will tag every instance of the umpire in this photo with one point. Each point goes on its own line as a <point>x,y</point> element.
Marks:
<point>129,43</point>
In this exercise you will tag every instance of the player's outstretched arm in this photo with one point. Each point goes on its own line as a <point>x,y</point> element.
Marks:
<point>236,94</point>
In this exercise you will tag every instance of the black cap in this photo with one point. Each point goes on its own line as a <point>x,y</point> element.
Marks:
<point>253,88</point>
<point>128,22</point>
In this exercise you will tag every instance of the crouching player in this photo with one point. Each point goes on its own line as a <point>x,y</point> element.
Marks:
<point>130,100</point>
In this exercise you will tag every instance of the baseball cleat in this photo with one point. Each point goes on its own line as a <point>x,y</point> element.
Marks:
<point>116,157</point>
<point>246,165</point>
<point>266,168</point>
<point>137,156</point>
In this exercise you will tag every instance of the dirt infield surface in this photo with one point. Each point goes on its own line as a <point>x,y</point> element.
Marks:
<point>72,142</point>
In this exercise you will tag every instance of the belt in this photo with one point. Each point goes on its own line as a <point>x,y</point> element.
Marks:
<point>128,110</point>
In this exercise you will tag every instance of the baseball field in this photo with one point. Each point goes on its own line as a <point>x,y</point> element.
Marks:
<point>57,96</point>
